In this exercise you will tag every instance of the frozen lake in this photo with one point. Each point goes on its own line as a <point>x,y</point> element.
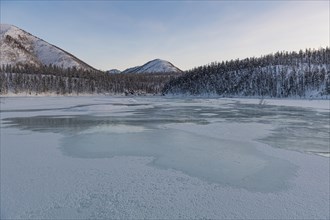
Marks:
<point>112,157</point>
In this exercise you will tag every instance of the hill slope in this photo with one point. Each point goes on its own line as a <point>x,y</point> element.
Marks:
<point>283,74</point>
<point>113,71</point>
<point>154,66</point>
<point>19,47</point>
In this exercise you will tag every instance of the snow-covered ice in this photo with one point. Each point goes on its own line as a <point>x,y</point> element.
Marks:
<point>169,158</point>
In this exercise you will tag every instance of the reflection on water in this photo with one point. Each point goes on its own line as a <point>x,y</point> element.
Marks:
<point>228,162</point>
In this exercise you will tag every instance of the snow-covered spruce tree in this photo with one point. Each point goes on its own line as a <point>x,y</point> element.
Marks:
<point>283,74</point>
<point>53,79</point>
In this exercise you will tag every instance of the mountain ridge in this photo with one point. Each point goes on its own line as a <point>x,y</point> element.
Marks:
<point>19,47</point>
<point>154,66</point>
<point>113,71</point>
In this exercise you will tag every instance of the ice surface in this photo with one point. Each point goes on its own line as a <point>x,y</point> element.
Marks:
<point>105,157</point>
<point>115,129</point>
<point>232,163</point>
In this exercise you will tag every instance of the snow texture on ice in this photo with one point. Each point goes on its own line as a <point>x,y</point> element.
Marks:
<point>81,157</point>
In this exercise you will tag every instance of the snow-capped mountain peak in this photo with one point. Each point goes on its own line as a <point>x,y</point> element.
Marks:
<point>113,71</point>
<point>154,66</point>
<point>5,27</point>
<point>19,47</point>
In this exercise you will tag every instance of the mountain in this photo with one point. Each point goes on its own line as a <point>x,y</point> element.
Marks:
<point>303,74</point>
<point>113,71</point>
<point>19,47</point>
<point>154,66</point>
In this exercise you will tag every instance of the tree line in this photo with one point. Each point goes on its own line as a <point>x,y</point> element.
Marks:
<point>283,74</point>
<point>53,79</point>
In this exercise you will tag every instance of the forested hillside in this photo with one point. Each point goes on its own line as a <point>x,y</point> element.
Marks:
<point>52,79</point>
<point>283,74</point>
<point>303,74</point>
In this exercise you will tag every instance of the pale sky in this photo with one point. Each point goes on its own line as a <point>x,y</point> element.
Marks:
<point>122,34</point>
